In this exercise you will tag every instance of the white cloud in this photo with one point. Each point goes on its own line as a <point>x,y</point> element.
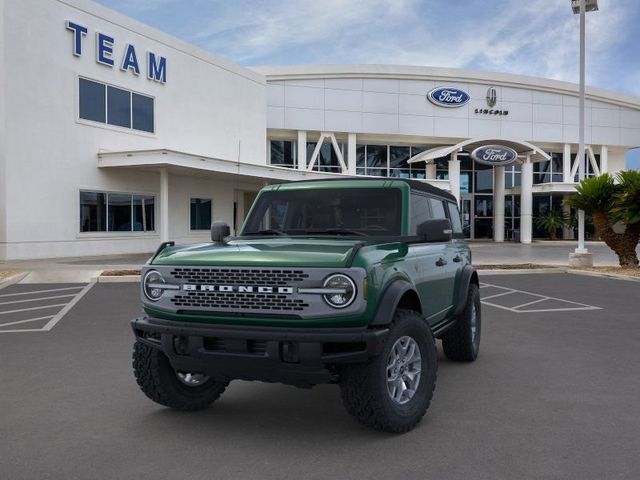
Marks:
<point>532,37</point>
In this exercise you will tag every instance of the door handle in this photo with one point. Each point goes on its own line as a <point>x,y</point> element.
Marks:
<point>441,262</point>
<point>457,258</point>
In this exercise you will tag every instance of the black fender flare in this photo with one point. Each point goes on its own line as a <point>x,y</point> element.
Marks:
<point>468,276</point>
<point>389,302</point>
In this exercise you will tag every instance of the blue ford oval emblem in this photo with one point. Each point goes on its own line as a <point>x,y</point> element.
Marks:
<point>448,96</point>
<point>494,155</point>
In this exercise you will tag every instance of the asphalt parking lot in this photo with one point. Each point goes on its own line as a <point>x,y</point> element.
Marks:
<point>554,394</point>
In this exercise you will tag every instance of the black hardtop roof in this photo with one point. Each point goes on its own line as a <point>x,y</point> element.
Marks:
<point>413,184</point>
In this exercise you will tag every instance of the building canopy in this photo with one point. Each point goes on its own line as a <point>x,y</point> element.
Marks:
<point>522,148</point>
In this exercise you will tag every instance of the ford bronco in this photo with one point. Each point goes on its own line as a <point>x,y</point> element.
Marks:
<point>346,281</point>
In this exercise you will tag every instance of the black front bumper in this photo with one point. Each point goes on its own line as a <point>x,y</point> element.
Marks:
<point>302,356</point>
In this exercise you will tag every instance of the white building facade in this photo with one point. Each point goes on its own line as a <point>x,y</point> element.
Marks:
<point>115,136</point>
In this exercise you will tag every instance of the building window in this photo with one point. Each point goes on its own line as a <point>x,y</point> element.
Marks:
<point>116,212</point>
<point>442,168</point>
<point>327,160</point>
<point>143,213</point>
<point>283,153</point>
<point>92,101</point>
<point>589,171</point>
<point>201,213</point>
<point>389,161</point>
<point>118,107</point>
<point>142,112</point>
<point>398,166</point>
<point>550,170</point>
<point>93,212</point>
<point>512,176</point>
<point>111,105</point>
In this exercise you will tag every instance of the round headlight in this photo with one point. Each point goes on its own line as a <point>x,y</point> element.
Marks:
<point>152,285</point>
<point>344,291</point>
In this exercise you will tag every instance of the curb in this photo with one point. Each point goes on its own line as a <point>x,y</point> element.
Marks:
<point>531,271</point>
<point>12,279</point>
<point>117,279</point>
<point>519,271</point>
<point>613,276</point>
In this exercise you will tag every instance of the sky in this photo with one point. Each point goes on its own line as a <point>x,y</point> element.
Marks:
<point>531,37</point>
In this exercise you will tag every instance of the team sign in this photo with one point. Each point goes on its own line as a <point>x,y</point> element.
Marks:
<point>156,65</point>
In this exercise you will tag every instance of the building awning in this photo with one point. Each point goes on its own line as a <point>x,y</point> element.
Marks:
<point>183,163</point>
<point>522,148</point>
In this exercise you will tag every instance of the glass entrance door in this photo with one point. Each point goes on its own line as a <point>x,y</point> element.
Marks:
<point>467,216</point>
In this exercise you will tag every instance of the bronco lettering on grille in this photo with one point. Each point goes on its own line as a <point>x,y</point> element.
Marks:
<point>237,289</point>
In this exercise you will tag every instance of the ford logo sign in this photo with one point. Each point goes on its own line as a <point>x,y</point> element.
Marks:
<point>494,155</point>
<point>448,97</point>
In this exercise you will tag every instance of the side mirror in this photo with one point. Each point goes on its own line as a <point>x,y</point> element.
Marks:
<point>219,231</point>
<point>435,230</point>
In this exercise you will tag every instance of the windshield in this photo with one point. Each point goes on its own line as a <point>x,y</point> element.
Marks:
<point>335,211</point>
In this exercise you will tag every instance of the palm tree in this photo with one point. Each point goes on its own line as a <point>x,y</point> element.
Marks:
<point>609,202</point>
<point>551,221</point>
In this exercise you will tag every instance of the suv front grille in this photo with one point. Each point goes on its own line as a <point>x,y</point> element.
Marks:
<point>229,276</point>
<point>238,301</point>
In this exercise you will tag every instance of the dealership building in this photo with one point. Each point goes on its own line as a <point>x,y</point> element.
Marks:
<point>115,136</point>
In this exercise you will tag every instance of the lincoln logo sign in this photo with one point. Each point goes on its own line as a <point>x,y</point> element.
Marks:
<point>448,97</point>
<point>494,155</point>
<point>237,289</point>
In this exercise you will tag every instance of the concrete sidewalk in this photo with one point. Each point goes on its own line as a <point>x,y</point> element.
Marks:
<point>83,269</point>
<point>74,269</point>
<point>540,252</point>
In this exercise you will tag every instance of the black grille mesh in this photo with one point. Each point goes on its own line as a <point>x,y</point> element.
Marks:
<point>228,276</point>
<point>238,301</point>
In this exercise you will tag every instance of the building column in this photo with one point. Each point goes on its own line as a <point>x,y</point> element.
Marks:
<point>302,150</point>
<point>352,153</point>
<point>526,201</point>
<point>566,164</point>
<point>164,205</point>
<point>431,171</point>
<point>498,204</point>
<point>604,159</point>
<point>454,176</point>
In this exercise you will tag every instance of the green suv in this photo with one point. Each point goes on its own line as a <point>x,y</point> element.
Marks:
<point>346,281</point>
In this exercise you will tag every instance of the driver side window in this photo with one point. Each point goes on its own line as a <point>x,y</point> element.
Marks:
<point>420,210</point>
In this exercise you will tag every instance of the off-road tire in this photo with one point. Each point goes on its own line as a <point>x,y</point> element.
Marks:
<point>364,386</point>
<point>459,342</point>
<point>159,381</point>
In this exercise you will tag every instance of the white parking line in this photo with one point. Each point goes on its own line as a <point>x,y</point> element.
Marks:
<point>26,321</point>
<point>53,319</point>
<point>498,294</point>
<point>69,306</point>
<point>33,308</point>
<point>41,291</point>
<point>540,298</point>
<point>39,299</point>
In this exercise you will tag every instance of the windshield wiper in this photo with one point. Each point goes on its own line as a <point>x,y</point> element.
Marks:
<point>268,231</point>
<point>337,231</point>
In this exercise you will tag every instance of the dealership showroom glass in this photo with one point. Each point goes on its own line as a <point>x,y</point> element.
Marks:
<point>116,136</point>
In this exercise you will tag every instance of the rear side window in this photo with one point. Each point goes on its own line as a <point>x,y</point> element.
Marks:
<point>420,211</point>
<point>454,216</point>
<point>437,208</point>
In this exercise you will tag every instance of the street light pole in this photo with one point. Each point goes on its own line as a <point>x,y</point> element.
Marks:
<point>581,157</point>
<point>581,257</point>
